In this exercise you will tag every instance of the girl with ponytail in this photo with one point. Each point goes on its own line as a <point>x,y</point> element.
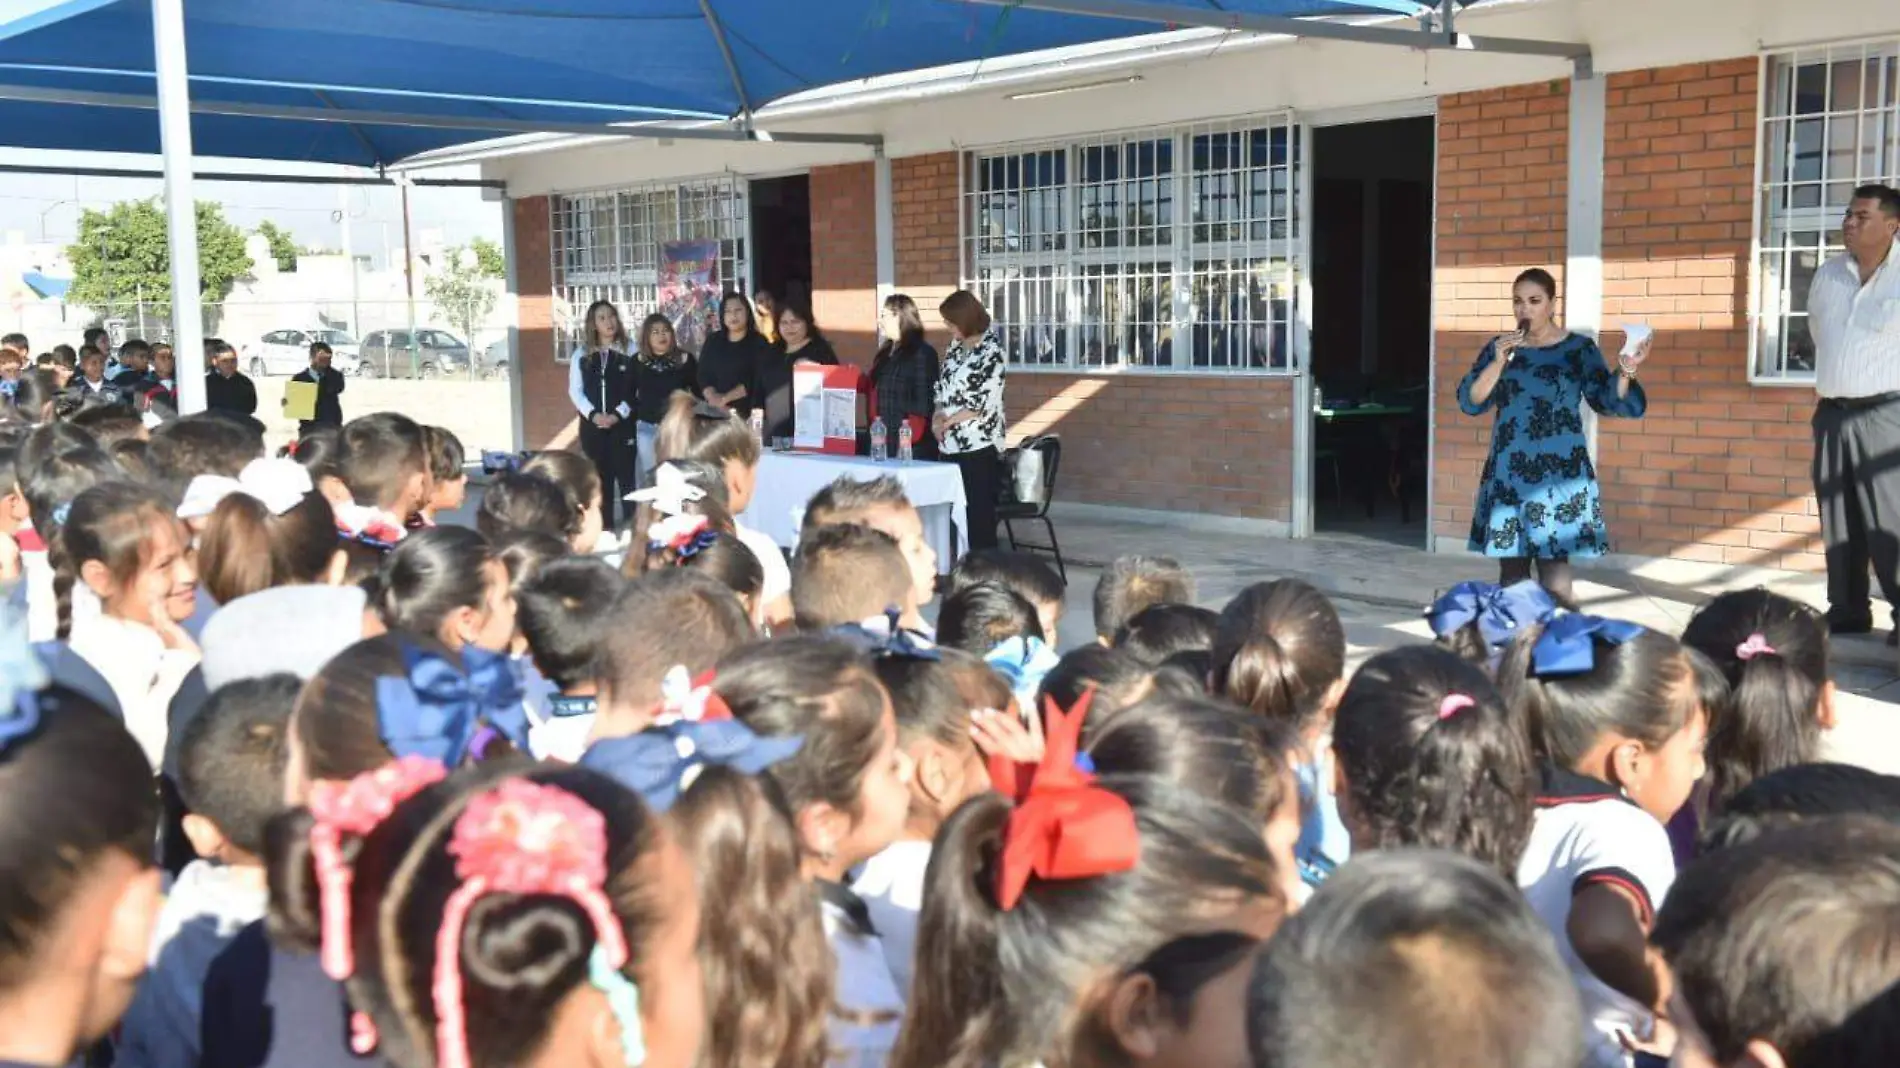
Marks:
<point>1774,654</point>
<point>697,431</point>
<point>1280,650</point>
<point>268,527</point>
<point>1133,951</point>
<point>378,724</point>
<point>1615,717</point>
<point>508,914</point>
<point>122,543</point>
<point>1429,755</point>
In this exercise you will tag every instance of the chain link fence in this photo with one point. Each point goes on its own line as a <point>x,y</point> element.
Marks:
<point>371,339</point>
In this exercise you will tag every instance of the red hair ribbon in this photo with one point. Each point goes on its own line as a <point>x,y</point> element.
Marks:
<point>1064,826</point>
<point>685,698</point>
<point>354,808</point>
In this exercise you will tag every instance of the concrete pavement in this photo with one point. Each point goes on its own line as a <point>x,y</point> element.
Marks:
<point>1382,589</point>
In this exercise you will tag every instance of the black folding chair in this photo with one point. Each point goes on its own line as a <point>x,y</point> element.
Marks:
<point>1011,509</point>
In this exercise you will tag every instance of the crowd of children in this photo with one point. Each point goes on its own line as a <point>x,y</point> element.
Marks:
<point>296,772</point>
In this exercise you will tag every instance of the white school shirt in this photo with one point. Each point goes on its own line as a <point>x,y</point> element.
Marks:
<point>868,1007</point>
<point>892,886</point>
<point>143,674</point>
<point>1856,327</point>
<point>1585,833</point>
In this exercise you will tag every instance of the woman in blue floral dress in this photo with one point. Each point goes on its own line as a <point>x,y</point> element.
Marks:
<point>1538,498</point>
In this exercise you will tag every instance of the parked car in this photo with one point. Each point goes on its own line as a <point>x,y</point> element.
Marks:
<point>285,352</point>
<point>427,353</point>
<point>495,360</point>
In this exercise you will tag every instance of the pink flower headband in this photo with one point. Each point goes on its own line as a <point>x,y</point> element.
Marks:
<point>355,808</point>
<point>521,838</point>
<point>1756,645</point>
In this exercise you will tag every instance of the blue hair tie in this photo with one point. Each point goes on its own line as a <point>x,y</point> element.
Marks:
<point>885,637</point>
<point>61,513</point>
<point>700,543</point>
<point>1498,611</point>
<point>659,763</point>
<point>447,713</point>
<point>1568,645</point>
<point>623,1000</point>
<point>495,462</point>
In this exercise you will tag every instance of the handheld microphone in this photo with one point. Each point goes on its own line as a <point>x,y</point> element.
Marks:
<point>1524,326</point>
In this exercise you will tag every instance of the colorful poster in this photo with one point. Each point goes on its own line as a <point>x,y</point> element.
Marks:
<point>689,289</point>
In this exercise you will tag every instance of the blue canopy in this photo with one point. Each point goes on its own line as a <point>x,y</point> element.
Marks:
<point>78,74</point>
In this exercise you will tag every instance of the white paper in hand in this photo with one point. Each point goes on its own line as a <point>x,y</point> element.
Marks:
<point>1634,334</point>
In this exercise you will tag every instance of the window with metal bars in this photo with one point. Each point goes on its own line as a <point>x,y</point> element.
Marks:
<point>1169,250</point>
<point>1830,122</point>
<point>607,245</point>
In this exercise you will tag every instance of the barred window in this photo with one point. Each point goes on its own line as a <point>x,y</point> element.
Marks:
<point>1830,122</point>
<point>607,246</point>
<point>1164,250</point>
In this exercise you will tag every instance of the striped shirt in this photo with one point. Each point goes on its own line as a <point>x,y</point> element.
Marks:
<point>1856,327</point>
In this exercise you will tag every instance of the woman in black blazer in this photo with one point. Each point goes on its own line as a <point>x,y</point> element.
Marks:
<point>803,343</point>
<point>729,363</point>
<point>904,374</point>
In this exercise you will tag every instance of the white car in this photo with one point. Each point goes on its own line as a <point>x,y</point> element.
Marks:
<point>285,352</point>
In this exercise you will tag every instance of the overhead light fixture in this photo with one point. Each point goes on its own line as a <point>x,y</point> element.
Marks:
<point>1063,90</point>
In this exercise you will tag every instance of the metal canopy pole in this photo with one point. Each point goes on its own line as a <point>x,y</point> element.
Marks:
<point>181,210</point>
<point>732,66</point>
<point>1173,14</point>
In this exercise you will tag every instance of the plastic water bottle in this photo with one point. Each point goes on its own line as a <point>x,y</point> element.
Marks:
<point>878,440</point>
<point>757,421</point>
<point>903,442</point>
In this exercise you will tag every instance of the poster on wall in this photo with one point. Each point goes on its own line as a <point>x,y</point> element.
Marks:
<point>689,289</point>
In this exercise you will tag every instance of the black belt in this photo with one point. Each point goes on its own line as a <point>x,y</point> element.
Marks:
<point>1858,404</point>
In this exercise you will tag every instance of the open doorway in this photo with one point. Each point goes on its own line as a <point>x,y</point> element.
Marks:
<point>1371,333</point>
<point>781,236</point>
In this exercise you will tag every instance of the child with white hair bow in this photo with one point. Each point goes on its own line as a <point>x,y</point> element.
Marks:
<point>267,527</point>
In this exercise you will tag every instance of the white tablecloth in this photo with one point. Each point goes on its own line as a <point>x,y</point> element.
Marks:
<point>787,481</point>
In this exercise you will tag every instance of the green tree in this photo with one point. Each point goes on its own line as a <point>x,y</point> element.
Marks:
<point>460,293</point>
<point>282,248</point>
<point>122,264</point>
<point>488,258</point>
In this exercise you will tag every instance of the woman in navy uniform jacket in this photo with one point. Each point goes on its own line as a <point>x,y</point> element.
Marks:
<point>600,383</point>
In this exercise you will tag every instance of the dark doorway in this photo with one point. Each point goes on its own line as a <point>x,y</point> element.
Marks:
<point>1372,322</point>
<point>781,236</point>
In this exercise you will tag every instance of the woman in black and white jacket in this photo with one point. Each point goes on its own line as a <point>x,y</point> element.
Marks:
<point>600,385</point>
<point>969,423</point>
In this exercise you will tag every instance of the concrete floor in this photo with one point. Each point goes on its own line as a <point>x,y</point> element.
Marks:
<point>1381,590</point>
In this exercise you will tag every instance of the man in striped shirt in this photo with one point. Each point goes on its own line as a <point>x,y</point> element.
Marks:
<point>1854,318</point>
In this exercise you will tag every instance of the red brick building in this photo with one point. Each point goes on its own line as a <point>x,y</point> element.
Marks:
<point>1192,241</point>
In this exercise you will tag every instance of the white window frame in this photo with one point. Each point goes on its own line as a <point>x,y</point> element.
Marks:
<point>624,267</point>
<point>1175,274</point>
<point>1874,117</point>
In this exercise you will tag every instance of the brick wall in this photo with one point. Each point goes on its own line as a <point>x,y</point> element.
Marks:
<point>1142,441</point>
<point>1503,191</point>
<point>1718,470</point>
<point>547,417</point>
<point>924,206</point>
<point>844,257</point>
